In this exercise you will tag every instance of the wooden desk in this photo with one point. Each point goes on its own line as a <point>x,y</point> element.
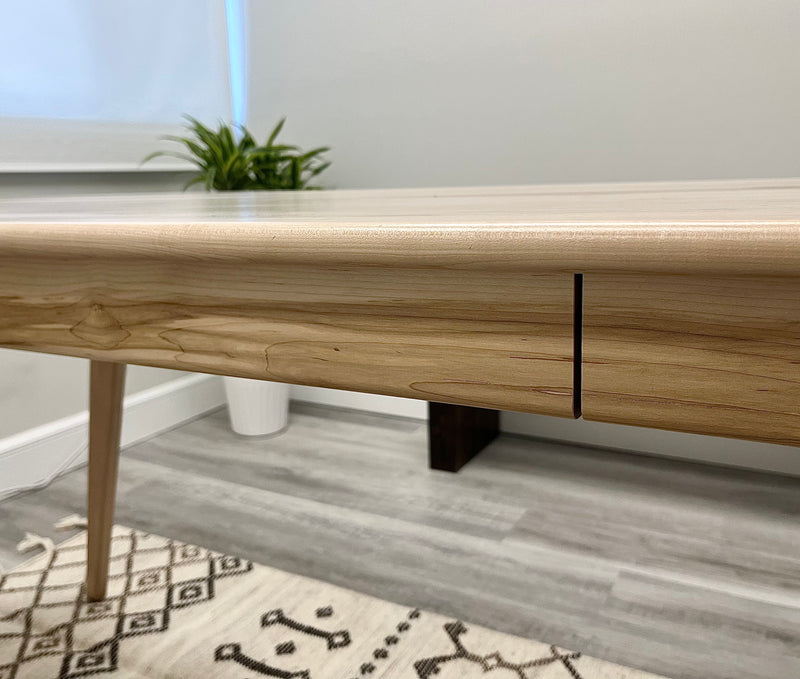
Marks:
<point>673,305</point>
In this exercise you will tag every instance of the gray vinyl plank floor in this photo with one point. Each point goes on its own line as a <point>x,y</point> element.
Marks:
<point>679,569</point>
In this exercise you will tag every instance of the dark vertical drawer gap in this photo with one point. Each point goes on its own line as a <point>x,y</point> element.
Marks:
<point>577,349</point>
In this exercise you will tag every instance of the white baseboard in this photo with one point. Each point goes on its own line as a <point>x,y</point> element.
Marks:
<point>765,457</point>
<point>32,456</point>
<point>692,447</point>
<point>386,405</point>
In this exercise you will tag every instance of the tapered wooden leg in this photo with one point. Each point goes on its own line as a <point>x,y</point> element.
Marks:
<point>105,423</point>
<point>457,433</point>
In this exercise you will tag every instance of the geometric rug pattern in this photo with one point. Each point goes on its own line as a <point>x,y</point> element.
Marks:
<point>177,611</point>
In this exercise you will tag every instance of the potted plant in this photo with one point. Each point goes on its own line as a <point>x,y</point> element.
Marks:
<point>229,159</point>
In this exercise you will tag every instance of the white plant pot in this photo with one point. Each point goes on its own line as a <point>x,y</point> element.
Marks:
<point>257,407</point>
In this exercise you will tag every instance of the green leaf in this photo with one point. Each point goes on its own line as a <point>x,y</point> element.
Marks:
<point>226,164</point>
<point>247,141</point>
<point>320,168</point>
<point>276,149</point>
<point>275,132</point>
<point>210,176</point>
<point>171,154</point>
<point>199,179</point>
<point>315,152</point>
<point>154,154</point>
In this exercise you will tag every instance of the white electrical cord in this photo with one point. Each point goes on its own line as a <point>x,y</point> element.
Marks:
<point>8,492</point>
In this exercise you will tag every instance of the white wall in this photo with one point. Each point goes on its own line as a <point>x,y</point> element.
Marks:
<point>448,92</point>
<point>39,388</point>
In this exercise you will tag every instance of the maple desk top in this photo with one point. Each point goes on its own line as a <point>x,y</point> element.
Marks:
<point>719,227</point>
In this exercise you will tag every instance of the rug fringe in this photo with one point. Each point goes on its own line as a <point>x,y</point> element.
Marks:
<point>31,541</point>
<point>71,521</point>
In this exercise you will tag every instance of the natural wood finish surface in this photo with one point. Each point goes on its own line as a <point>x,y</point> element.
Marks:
<point>105,424</point>
<point>731,227</point>
<point>698,354</point>
<point>475,338</point>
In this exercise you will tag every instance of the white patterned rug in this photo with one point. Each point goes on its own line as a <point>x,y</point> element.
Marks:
<point>178,611</point>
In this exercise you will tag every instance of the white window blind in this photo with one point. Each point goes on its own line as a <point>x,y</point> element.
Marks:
<point>92,84</point>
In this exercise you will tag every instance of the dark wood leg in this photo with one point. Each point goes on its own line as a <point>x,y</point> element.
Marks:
<point>456,434</point>
<point>105,425</point>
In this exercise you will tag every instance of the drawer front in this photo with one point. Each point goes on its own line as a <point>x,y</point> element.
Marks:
<point>493,339</point>
<point>697,354</point>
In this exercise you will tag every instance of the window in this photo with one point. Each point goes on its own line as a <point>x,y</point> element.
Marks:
<point>92,85</point>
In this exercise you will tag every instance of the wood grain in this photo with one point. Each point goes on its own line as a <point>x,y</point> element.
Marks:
<point>719,228</point>
<point>475,338</point>
<point>706,355</point>
<point>105,426</point>
<point>452,295</point>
